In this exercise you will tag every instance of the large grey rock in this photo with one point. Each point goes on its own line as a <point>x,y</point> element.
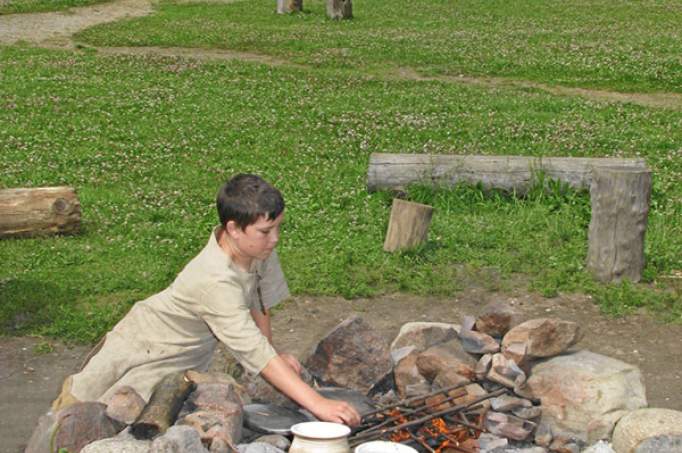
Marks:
<point>496,318</point>
<point>178,439</point>
<point>419,336</point>
<point>478,342</point>
<point>125,405</point>
<point>578,389</point>
<point>352,355</point>
<point>448,355</point>
<point>545,337</point>
<point>72,428</point>
<point>648,431</point>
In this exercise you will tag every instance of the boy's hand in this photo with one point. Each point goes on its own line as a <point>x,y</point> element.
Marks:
<point>336,411</point>
<point>292,362</point>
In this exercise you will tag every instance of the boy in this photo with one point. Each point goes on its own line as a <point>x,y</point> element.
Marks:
<point>223,294</point>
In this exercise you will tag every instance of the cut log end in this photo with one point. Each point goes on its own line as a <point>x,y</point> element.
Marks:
<point>39,212</point>
<point>408,225</point>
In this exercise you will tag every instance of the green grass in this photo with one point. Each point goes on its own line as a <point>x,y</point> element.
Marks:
<point>39,6</point>
<point>617,45</point>
<point>147,142</point>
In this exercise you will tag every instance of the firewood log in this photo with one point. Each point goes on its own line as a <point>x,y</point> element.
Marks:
<point>39,211</point>
<point>163,407</point>
<point>408,225</point>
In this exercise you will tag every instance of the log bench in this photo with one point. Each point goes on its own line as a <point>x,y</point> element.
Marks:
<point>620,190</point>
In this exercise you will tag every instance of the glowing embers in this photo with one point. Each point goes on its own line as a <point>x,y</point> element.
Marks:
<point>434,425</point>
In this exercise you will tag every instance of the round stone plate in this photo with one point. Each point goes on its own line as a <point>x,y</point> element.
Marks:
<point>361,403</point>
<point>271,419</point>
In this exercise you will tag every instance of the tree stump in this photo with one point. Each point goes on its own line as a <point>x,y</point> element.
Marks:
<point>340,9</point>
<point>38,212</point>
<point>620,205</point>
<point>289,6</point>
<point>408,225</point>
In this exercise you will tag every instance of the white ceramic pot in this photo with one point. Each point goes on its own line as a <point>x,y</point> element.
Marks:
<point>320,437</point>
<point>381,446</point>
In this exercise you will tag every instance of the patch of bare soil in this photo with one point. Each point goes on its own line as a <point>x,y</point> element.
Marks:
<point>30,380</point>
<point>56,28</point>
<point>196,54</point>
<point>656,100</point>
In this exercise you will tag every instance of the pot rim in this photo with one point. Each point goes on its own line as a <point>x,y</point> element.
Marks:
<point>320,430</point>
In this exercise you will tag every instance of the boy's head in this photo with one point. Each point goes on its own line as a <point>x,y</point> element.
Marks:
<point>245,198</point>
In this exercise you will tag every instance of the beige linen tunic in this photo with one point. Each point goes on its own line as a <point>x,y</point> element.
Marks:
<point>178,328</point>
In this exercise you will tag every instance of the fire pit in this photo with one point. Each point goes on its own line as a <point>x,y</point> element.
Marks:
<point>419,422</point>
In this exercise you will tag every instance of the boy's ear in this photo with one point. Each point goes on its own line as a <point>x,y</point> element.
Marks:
<point>231,227</point>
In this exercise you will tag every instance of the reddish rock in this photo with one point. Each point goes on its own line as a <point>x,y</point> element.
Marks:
<point>352,355</point>
<point>505,371</point>
<point>449,355</point>
<point>462,395</point>
<point>449,378</point>
<point>72,428</point>
<point>125,405</point>
<point>508,426</point>
<point>408,380</point>
<point>545,337</point>
<point>496,319</point>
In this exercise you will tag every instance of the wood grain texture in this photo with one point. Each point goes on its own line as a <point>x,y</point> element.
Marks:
<point>39,212</point>
<point>620,207</point>
<point>510,173</point>
<point>408,225</point>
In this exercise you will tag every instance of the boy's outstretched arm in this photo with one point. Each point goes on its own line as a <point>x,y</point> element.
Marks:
<point>262,320</point>
<point>284,378</point>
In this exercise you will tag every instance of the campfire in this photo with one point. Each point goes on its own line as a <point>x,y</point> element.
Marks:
<point>419,422</point>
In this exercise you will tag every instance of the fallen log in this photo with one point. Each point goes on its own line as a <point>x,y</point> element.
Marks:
<point>510,173</point>
<point>163,407</point>
<point>620,206</point>
<point>408,225</point>
<point>39,212</point>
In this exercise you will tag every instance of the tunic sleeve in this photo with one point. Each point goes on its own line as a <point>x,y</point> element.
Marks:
<point>225,312</point>
<point>273,284</point>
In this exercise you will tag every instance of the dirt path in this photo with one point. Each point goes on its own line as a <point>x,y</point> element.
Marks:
<point>30,380</point>
<point>56,28</point>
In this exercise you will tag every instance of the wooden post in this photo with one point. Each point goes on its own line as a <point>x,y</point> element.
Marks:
<point>408,225</point>
<point>41,211</point>
<point>340,9</point>
<point>289,6</point>
<point>620,205</point>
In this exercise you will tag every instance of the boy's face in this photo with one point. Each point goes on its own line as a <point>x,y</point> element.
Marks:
<point>257,240</point>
